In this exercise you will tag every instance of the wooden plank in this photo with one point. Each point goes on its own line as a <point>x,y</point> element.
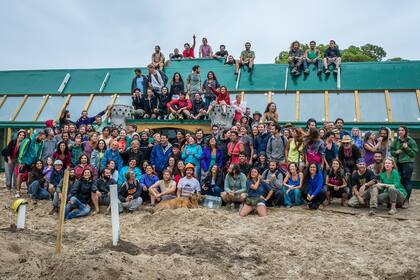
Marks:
<point>388,105</point>
<point>9,135</point>
<point>418,98</point>
<point>297,106</point>
<point>3,99</point>
<point>356,104</point>
<point>64,106</point>
<point>326,105</point>
<point>88,102</point>
<point>19,107</point>
<point>60,222</point>
<point>269,97</point>
<point>242,96</point>
<point>41,107</point>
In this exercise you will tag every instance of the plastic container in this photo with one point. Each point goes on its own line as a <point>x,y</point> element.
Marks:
<point>212,202</point>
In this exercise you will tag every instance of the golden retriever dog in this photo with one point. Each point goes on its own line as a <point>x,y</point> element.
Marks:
<point>192,201</point>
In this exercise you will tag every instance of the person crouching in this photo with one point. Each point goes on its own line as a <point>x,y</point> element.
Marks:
<point>129,194</point>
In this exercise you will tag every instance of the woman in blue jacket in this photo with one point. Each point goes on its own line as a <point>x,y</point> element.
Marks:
<point>313,191</point>
<point>132,167</point>
<point>192,154</point>
<point>211,155</point>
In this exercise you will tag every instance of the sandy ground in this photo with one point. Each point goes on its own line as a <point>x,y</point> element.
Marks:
<point>214,244</point>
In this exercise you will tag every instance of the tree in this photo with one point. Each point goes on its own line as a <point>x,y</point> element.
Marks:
<point>397,59</point>
<point>354,54</point>
<point>373,51</point>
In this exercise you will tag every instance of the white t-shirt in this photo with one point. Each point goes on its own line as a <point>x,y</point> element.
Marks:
<point>188,186</point>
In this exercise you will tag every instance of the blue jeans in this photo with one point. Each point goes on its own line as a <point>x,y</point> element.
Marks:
<point>37,192</point>
<point>318,64</point>
<point>214,190</point>
<point>208,101</point>
<point>294,196</point>
<point>77,209</point>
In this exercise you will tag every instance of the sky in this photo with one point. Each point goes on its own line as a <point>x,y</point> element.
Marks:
<point>42,34</point>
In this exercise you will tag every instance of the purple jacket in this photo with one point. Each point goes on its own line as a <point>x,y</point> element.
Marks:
<point>206,158</point>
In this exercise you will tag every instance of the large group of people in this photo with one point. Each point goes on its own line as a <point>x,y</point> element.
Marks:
<point>251,166</point>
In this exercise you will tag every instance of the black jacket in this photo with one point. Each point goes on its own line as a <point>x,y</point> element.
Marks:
<point>163,100</point>
<point>129,154</point>
<point>129,189</point>
<point>197,106</point>
<point>150,104</point>
<point>83,190</point>
<point>219,180</point>
<point>103,186</point>
<point>8,150</point>
<point>137,102</point>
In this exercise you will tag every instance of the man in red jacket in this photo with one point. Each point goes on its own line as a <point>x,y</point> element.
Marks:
<point>180,108</point>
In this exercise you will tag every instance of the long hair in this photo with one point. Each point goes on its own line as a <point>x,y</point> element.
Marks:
<point>180,77</point>
<point>214,75</point>
<point>66,149</point>
<point>267,109</point>
<point>294,42</point>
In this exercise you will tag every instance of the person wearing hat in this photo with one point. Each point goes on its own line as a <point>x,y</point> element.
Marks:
<point>256,117</point>
<point>188,184</point>
<point>56,176</point>
<point>363,187</point>
<point>348,154</point>
<point>30,150</point>
<point>10,154</point>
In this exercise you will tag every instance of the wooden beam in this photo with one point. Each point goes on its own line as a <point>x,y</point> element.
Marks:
<point>9,135</point>
<point>3,99</point>
<point>242,96</point>
<point>60,223</point>
<point>297,106</point>
<point>88,102</point>
<point>418,98</point>
<point>270,97</point>
<point>41,107</point>
<point>19,107</point>
<point>63,107</point>
<point>388,105</point>
<point>326,105</point>
<point>356,105</point>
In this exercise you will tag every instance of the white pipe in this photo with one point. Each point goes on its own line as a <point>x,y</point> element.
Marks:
<point>237,80</point>
<point>285,80</point>
<point>339,78</point>
<point>20,224</point>
<point>115,215</point>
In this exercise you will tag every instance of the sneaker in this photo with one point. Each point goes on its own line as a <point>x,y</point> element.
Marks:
<point>236,73</point>
<point>249,70</point>
<point>372,211</point>
<point>405,205</point>
<point>306,72</point>
<point>54,210</point>
<point>17,194</point>
<point>393,211</point>
<point>335,71</point>
<point>327,71</point>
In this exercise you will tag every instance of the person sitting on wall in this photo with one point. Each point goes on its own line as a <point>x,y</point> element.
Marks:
<point>332,56</point>
<point>312,55</point>
<point>180,108</point>
<point>222,53</point>
<point>158,59</point>
<point>222,98</point>
<point>188,51</point>
<point>150,105</point>
<point>164,99</point>
<point>176,55</point>
<point>205,50</point>
<point>247,58</point>
<point>295,58</point>
<point>230,60</point>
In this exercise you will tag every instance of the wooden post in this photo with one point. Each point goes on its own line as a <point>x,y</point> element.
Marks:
<point>22,102</point>
<point>242,96</point>
<point>326,105</point>
<point>388,105</point>
<point>297,106</point>
<point>108,112</point>
<point>270,97</point>
<point>61,213</point>
<point>356,105</point>
<point>88,102</point>
<point>3,99</point>
<point>46,97</point>
<point>9,135</point>
<point>63,107</point>
<point>418,97</point>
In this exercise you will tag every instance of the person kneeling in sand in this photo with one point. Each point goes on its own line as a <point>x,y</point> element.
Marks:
<point>188,184</point>
<point>103,184</point>
<point>162,190</point>
<point>235,186</point>
<point>129,194</point>
<point>259,192</point>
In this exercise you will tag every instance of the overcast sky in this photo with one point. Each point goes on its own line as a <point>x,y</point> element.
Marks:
<point>44,34</point>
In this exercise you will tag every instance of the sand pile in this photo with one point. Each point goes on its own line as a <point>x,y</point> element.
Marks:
<point>213,244</point>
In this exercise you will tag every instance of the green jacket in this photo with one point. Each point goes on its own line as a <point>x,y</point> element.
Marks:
<point>30,150</point>
<point>393,179</point>
<point>236,185</point>
<point>406,155</point>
